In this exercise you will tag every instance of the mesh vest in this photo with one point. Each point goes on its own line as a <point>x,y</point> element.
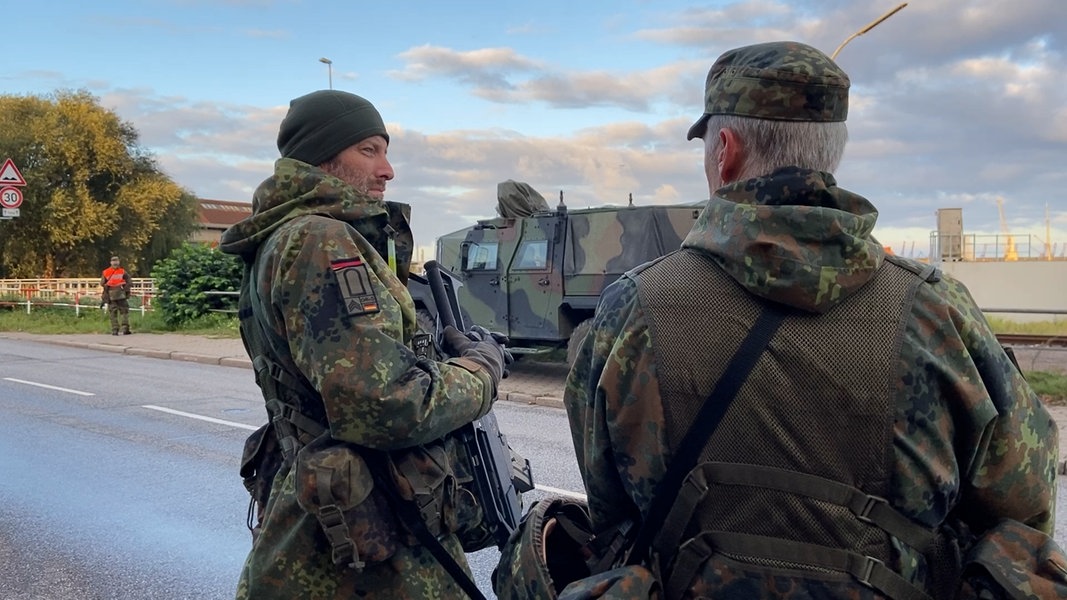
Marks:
<point>797,469</point>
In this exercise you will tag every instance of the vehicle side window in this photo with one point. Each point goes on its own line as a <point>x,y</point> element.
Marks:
<point>533,255</point>
<point>481,256</point>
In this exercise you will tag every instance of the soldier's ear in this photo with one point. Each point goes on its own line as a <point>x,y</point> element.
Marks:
<point>731,156</point>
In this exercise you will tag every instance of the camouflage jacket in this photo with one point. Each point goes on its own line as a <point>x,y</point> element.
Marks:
<point>970,437</point>
<point>306,229</point>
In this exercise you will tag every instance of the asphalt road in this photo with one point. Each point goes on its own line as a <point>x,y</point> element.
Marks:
<point>118,474</point>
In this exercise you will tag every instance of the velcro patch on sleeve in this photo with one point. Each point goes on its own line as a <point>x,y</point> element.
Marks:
<point>353,279</point>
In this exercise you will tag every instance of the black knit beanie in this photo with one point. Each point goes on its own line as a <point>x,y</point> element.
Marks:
<point>321,124</point>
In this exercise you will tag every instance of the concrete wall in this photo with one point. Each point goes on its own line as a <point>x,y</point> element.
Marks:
<point>1029,285</point>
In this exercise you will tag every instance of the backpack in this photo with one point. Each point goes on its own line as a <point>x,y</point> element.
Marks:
<point>553,554</point>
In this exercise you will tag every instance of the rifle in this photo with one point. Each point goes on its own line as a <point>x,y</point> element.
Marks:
<point>500,474</point>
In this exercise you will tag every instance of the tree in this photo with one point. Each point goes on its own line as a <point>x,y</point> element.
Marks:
<point>91,191</point>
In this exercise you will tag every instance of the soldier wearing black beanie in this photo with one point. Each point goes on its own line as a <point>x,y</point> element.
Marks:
<point>328,321</point>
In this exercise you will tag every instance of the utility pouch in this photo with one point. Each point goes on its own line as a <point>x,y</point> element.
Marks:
<point>260,462</point>
<point>1013,561</point>
<point>116,293</point>
<point>424,475</point>
<point>439,479</point>
<point>335,484</point>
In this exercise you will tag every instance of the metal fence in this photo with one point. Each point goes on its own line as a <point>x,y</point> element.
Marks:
<point>77,293</point>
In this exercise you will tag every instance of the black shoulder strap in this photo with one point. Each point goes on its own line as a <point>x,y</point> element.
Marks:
<point>704,425</point>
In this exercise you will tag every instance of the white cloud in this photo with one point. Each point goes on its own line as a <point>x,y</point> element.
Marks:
<point>953,104</point>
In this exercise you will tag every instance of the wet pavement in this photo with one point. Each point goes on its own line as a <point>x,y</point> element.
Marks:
<point>530,382</point>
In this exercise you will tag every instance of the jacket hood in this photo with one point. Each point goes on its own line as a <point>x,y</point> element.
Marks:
<point>793,237</point>
<point>297,189</point>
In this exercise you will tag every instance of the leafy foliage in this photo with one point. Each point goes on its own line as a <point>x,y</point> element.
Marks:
<point>90,192</point>
<point>183,278</point>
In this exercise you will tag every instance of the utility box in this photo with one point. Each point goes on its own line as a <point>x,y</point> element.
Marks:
<point>949,234</point>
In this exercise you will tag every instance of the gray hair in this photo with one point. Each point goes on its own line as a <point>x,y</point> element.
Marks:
<point>771,145</point>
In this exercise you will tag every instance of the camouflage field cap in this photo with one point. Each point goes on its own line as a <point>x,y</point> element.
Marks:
<point>779,81</point>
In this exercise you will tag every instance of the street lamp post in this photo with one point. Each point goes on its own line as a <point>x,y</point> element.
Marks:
<point>329,69</point>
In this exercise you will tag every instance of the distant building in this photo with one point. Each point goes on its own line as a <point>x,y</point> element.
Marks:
<point>215,216</point>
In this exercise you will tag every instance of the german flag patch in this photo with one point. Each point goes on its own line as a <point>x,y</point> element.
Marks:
<point>353,279</point>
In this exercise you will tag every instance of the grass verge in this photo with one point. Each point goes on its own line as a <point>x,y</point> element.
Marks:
<point>1058,327</point>
<point>1051,387</point>
<point>94,320</point>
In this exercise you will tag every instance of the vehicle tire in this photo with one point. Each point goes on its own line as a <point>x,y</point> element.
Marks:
<point>574,344</point>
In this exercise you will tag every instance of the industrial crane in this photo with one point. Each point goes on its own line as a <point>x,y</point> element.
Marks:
<point>1010,253</point>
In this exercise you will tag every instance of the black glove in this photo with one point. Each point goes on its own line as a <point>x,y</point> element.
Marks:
<point>488,353</point>
<point>479,334</point>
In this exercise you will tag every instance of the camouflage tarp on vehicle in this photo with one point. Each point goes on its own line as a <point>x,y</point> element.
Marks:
<point>517,199</point>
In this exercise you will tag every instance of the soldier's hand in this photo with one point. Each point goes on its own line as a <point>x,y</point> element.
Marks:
<point>455,343</point>
<point>479,333</point>
<point>488,353</point>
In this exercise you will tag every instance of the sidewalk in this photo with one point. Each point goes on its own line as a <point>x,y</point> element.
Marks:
<point>529,383</point>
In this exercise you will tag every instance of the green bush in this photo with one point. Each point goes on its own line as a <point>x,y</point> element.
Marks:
<point>184,278</point>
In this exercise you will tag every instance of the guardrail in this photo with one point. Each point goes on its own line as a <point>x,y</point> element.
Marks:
<point>79,293</point>
<point>67,288</point>
<point>78,306</point>
<point>229,311</point>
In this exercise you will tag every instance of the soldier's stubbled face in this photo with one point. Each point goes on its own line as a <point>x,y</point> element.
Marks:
<point>364,166</point>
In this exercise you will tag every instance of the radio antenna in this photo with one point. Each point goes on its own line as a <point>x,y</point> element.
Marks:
<point>869,27</point>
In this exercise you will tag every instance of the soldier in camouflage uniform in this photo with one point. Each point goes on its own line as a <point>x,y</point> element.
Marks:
<point>328,260</point>
<point>884,375</point>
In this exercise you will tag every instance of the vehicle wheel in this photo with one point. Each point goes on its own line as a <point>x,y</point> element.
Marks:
<point>574,344</point>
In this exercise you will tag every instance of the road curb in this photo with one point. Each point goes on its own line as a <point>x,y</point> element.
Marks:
<point>107,348</point>
<point>521,398</point>
<point>235,361</point>
<point>193,357</point>
<point>150,353</point>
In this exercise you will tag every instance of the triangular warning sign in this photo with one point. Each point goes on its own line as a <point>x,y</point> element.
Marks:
<point>9,174</point>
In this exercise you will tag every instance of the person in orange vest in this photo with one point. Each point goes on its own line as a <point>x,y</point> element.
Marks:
<point>116,293</point>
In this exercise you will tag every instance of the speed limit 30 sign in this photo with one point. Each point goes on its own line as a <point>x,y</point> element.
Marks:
<point>10,197</point>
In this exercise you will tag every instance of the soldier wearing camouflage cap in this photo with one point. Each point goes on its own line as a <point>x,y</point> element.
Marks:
<point>882,425</point>
<point>328,322</point>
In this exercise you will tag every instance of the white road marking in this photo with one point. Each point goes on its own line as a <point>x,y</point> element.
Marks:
<point>552,490</point>
<point>50,387</point>
<point>543,488</point>
<point>200,417</point>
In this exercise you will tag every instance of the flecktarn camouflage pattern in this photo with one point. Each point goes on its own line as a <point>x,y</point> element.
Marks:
<point>537,278</point>
<point>1014,561</point>
<point>780,81</point>
<point>970,444</point>
<point>314,242</point>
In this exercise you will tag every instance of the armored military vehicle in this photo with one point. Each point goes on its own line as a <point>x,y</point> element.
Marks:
<point>536,273</point>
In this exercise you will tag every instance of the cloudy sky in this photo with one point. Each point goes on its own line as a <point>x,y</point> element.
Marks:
<point>954,103</point>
